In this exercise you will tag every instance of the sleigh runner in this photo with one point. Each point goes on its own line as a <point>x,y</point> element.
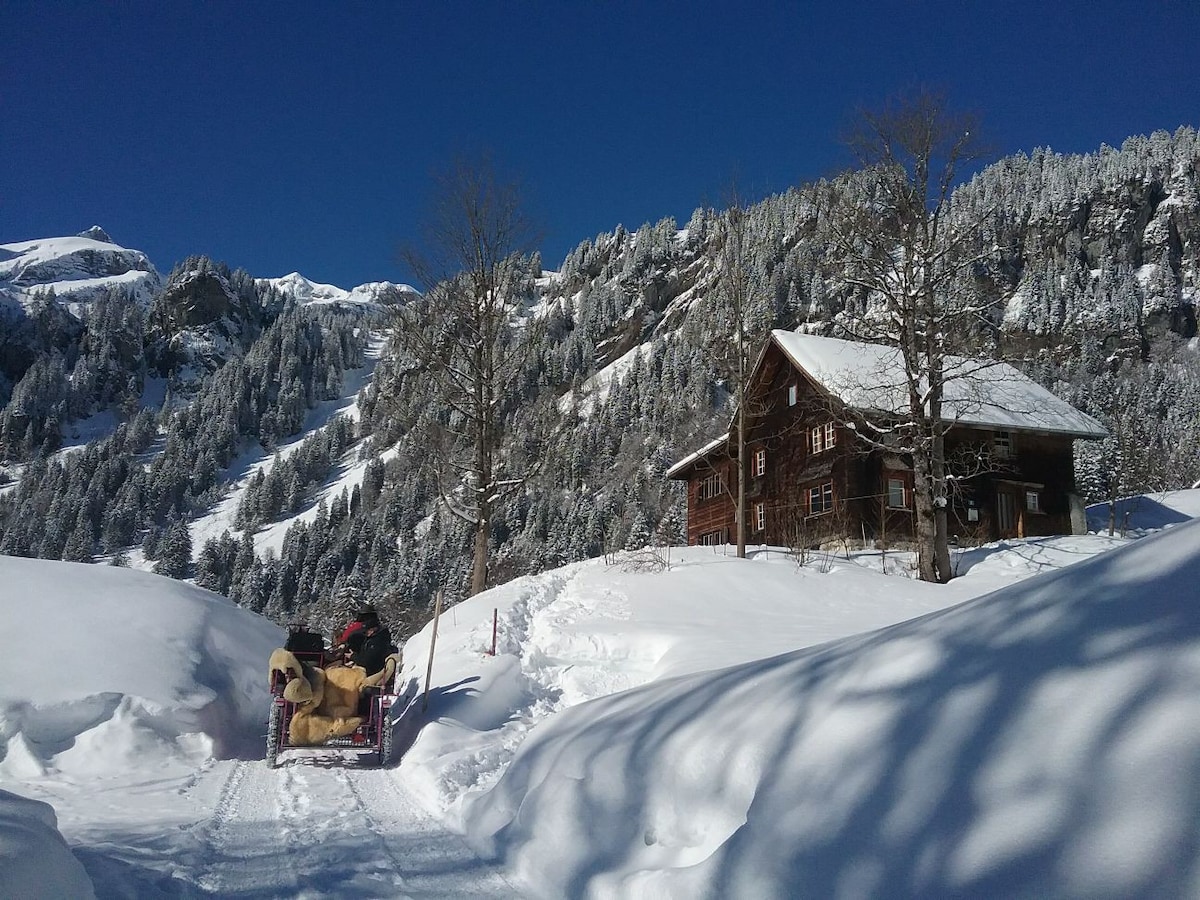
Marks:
<point>321,702</point>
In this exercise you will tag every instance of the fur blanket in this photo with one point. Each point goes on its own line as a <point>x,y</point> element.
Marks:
<point>326,699</point>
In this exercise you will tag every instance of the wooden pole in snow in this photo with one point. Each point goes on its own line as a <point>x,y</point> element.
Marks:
<point>495,622</point>
<point>437,614</point>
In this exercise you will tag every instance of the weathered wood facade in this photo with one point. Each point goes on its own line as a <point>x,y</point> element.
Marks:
<point>812,479</point>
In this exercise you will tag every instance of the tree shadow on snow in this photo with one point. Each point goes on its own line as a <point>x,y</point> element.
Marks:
<point>1011,746</point>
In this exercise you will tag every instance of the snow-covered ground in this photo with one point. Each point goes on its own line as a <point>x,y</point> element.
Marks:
<point>721,727</point>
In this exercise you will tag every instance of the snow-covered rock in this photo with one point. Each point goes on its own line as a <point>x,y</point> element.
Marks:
<point>78,269</point>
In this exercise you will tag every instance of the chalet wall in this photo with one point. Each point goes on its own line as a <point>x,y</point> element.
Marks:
<point>1042,463</point>
<point>793,466</point>
<point>713,514</point>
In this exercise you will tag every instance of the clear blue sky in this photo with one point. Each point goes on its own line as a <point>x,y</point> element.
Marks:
<point>301,136</point>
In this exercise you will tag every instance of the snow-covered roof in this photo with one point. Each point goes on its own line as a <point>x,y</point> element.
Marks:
<point>870,377</point>
<point>699,454</point>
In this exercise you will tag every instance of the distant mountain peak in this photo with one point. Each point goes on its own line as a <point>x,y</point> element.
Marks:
<point>307,291</point>
<point>96,233</point>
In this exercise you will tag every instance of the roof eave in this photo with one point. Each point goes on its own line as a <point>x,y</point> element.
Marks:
<point>678,471</point>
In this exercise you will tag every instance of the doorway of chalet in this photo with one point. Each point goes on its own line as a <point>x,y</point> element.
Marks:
<point>1008,513</point>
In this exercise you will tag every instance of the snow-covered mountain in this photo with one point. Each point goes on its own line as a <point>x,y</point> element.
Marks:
<point>77,269</point>
<point>301,289</point>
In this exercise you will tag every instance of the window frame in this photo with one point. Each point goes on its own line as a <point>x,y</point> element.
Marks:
<point>793,394</point>
<point>1033,500</point>
<point>1003,445</point>
<point>710,486</point>
<point>822,437</point>
<point>758,466</point>
<point>904,503</point>
<point>760,516</point>
<point>823,493</point>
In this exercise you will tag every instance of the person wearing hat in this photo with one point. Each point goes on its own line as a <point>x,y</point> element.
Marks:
<point>376,643</point>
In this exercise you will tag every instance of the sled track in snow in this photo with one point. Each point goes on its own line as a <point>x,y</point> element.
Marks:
<point>372,820</point>
<point>319,826</point>
<point>249,842</point>
<point>433,861</point>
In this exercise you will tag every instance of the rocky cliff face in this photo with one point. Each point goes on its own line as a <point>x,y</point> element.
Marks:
<point>47,288</point>
<point>1107,241</point>
<point>204,316</point>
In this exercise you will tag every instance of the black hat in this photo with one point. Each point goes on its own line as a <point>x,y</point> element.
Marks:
<point>367,614</point>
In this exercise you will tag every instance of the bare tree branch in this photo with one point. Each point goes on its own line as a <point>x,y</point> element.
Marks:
<point>469,337</point>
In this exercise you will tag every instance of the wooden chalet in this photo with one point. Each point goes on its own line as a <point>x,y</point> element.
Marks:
<point>813,477</point>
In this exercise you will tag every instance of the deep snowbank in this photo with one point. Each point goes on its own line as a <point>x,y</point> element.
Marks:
<point>996,748</point>
<point>108,668</point>
<point>1043,740</point>
<point>112,675</point>
<point>35,863</point>
<point>590,629</point>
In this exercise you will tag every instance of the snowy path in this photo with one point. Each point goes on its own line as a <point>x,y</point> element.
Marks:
<point>314,827</point>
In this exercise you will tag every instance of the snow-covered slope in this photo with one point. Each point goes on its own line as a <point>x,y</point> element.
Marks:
<point>78,269</point>
<point>270,538</point>
<point>381,293</point>
<point>721,727</point>
<point>1039,741</point>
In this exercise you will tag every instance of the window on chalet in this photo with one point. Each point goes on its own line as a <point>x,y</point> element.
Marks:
<point>896,494</point>
<point>710,486</point>
<point>711,539</point>
<point>759,465</point>
<point>1002,445</point>
<point>793,394</point>
<point>1033,501</point>
<point>760,516</point>
<point>823,437</point>
<point>820,498</point>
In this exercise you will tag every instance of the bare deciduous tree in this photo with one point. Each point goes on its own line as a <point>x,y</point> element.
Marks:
<point>469,337</point>
<point>892,231</point>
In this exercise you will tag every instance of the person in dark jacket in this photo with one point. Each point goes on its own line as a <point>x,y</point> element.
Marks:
<point>376,644</point>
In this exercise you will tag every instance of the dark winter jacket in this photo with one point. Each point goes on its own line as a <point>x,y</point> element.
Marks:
<point>376,647</point>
